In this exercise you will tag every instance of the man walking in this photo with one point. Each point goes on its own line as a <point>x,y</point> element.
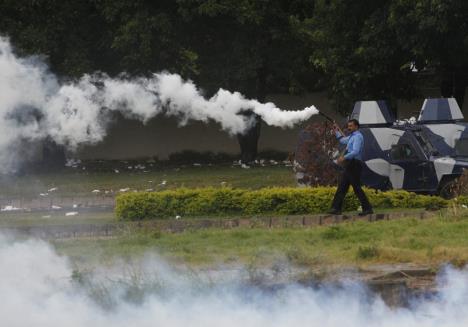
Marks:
<point>352,166</point>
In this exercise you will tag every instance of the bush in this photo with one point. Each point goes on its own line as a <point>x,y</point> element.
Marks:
<point>228,201</point>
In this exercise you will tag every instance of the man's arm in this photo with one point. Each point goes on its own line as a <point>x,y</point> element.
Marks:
<point>341,138</point>
<point>356,148</point>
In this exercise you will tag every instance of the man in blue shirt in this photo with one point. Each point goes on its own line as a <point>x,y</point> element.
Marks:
<point>352,164</point>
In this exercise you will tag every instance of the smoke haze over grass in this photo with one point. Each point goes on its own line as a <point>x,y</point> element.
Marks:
<point>39,288</point>
<point>35,105</point>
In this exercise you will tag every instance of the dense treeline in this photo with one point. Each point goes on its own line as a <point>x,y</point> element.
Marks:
<point>353,49</point>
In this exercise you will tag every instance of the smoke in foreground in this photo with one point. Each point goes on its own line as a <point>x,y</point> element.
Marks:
<point>37,290</point>
<point>35,105</point>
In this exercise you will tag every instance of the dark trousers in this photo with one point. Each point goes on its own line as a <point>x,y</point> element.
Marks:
<point>351,175</point>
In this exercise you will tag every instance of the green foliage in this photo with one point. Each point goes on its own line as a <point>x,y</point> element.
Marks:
<point>367,252</point>
<point>229,201</point>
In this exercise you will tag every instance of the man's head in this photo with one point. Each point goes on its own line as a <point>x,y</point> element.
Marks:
<point>353,125</point>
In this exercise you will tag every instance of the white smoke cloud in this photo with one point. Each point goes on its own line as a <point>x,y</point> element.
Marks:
<point>37,290</point>
<point>34,104</point>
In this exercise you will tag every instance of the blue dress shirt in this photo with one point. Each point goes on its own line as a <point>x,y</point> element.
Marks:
<point>354,144</point>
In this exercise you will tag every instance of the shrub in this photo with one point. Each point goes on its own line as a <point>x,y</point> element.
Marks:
<point>228,201</point>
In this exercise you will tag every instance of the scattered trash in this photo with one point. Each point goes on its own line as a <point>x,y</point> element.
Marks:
<point>95,191</point>
<point>9,208</point>
<point>73,163</point>
<point>43,194</point>
<point>47,216</point>
<point>163,183</point>
<point>464,206</point>
<point>150,181</point>
<point>53,189</point>
<point>197,165</point>
<point>178,217</point>
<point>223,183</point>
<point>71,213</point>
<point>244,166</point>
<point>149,190</point>
<point>116,171</point>
<point>75,206</point>
<point>56,207</point>
<point>124,189</point>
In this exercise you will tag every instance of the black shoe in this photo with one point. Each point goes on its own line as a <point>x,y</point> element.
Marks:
<point>334,212</point>
<point>366,212</point>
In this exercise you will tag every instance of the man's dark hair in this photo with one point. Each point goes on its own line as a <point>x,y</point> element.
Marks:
<point>354,121</point>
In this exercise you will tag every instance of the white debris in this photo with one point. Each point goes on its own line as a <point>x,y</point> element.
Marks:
<point>197,165</point>
<point>53,189</point>
<point>178,217</point>
<point>244,166</point>
<point>223,183</point>
<point>43,194</point>
<point>75,206</point>
<point>130,167</point>
<point>124,189</point>
<point>464,206</point>
<point>149,190</point>
<point>163,183</point>
<point>56,207</point>
<point>96,191</point>
<point>150,181</point>
<point>9,208</point>
<point>273,162</point>
<point>47,216</point>
<point>72,163</point>
<point>71,213</point>
<point>116,171</point>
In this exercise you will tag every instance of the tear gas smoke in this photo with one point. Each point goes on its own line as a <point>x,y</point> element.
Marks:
<point>35,105</point>
<point>37,290</point>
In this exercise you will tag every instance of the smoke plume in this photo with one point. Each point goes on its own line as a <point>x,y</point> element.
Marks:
<point>37,290</point>
<point>35,104</point>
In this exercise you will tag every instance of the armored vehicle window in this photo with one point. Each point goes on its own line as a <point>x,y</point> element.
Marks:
<point>461,147</point>
<point>402,152</point>
<point>427,146</point>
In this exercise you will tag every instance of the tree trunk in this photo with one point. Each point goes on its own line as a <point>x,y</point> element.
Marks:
<point>53,155</point>
<point>248,141</point>
<point>459,87</point>
<point>453,84</point>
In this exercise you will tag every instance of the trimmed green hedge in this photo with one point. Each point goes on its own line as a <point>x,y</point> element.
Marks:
<point>228,201</point>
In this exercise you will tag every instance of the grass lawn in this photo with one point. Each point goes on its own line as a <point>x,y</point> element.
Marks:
<point>25,219</point>
<point>74,182</point>
<point>428,242</point>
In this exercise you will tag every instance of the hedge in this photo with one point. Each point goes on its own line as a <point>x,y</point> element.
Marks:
<point>229,201</point>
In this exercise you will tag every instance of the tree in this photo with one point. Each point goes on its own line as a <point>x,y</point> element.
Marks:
<point>358,53</point>
<point>250,46</point>
<point>435,33</point>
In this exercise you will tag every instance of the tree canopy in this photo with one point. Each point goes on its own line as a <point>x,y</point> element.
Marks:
<point>355,50</point>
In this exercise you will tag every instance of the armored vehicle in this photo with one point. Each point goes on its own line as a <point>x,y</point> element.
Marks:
<point>424,155</point>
